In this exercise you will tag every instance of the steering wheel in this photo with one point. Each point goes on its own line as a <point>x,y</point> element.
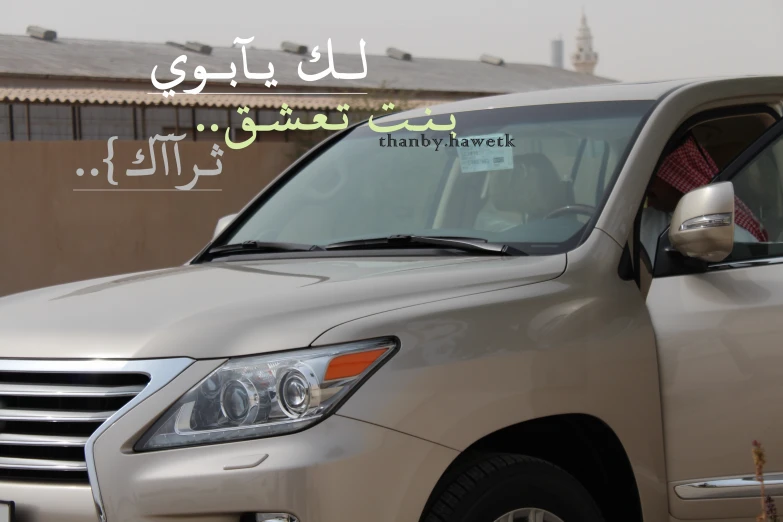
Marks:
<point>585,210</point>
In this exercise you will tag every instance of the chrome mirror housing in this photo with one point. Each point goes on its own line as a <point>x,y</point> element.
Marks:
<point>702,225</point>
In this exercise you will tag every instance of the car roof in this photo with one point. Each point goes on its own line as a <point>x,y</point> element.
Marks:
<point>594,93</point>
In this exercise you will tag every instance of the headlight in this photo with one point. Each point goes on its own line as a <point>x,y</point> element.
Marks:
<point>254,397</point>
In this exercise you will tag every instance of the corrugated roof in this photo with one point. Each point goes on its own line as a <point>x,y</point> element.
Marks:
<point>65,57</point>
<point>135,97</point>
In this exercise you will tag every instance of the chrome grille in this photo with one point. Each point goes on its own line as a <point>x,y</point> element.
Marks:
<point>47,417</point>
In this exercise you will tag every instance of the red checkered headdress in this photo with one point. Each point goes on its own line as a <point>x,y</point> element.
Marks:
<point>689,166</point>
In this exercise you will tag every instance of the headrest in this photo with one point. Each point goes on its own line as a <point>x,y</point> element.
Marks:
<point>532,186</point>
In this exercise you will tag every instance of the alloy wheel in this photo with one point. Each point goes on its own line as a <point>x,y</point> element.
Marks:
<point>529,515</point>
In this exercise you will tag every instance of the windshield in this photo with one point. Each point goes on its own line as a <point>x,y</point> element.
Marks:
<point>531,177</point>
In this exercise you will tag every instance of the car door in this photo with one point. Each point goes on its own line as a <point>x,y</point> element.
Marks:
<point>719,332</point>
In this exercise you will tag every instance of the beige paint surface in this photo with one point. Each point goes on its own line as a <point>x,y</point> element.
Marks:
<point>51,233</point>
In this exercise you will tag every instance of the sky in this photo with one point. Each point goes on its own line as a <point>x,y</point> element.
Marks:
<point>637,40</point>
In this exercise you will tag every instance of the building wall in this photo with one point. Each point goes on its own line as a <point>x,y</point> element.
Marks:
<point>21,121</point>
<point>53,231</point>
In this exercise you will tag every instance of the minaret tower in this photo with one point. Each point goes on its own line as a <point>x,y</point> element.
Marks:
<point>584,59</point>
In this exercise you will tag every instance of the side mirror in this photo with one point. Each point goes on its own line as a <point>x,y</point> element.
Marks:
<point>222,224</point>
<point>702,225</point>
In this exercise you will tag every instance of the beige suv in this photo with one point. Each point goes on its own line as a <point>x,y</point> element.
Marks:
<point>569,310</point>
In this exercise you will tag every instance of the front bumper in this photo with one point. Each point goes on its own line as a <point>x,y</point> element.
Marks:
<point>341,470</point>
<point>50,502</point>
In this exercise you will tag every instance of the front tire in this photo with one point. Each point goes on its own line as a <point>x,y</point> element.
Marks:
<point>512,488</point>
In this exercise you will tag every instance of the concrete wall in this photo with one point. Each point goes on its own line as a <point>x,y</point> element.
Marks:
<point>52,231</point>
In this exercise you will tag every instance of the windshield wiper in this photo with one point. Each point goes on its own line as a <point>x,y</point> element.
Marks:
<point>258,247</point>
<point>467,244</point>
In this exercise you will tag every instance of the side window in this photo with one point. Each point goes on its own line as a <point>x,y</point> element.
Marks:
<point>701,152</point>
<point>758,213</point>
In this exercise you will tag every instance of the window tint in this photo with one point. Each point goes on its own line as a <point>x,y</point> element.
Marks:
<point>759,189</point>
<point>700,154</point>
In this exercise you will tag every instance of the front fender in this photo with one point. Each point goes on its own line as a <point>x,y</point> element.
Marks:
<point>469,366</point>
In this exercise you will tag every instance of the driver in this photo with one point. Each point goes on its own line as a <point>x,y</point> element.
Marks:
<point>688,167</point>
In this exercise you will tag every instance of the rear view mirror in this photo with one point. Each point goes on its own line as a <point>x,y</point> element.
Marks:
<point>222,224</point>
<point>702,225</point>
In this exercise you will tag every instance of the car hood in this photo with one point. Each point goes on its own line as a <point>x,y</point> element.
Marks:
<point>233,308</point>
